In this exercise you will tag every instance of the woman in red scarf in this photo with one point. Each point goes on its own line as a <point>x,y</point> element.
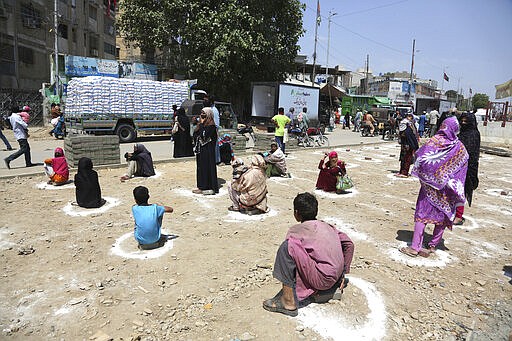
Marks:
<point>329,172</point>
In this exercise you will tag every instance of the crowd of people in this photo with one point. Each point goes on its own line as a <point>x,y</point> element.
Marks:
<point>312,261</point>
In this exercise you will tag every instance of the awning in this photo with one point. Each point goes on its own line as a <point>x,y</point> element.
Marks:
<point>382,100</point>
<point>504,90</point>
<point>332,90</point>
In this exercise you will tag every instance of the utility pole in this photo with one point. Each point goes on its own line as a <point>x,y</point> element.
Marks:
<point>56,36</point>
<point>458,89</point>
<point>331,14</point>
<point>367,70</point>
<point>317,23</point>
<point>412,70</point>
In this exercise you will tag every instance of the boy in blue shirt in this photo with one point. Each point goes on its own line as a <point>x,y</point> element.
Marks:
<point>148,220</point>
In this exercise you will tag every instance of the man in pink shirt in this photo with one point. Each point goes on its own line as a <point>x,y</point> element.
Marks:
<point>312,262</point>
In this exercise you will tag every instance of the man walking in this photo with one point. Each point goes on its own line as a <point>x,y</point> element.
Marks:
<point>20,129</point>
<point>280,120</point>
<point>434,116</point>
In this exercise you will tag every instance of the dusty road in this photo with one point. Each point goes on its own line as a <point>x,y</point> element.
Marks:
<point>68,274</point>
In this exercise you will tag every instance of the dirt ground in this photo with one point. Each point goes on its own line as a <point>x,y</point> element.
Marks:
<point>71,276</point>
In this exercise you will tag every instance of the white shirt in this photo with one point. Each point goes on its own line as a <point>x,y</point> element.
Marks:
<point>19,127</point>
<point>434,115</point>
<point>216,116</point>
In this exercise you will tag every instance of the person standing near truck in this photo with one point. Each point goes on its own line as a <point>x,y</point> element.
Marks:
<point>434,116</point>
<point>280,120</point>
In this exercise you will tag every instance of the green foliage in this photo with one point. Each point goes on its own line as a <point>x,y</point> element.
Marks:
<point>225,44</point>
<point>480,101</point>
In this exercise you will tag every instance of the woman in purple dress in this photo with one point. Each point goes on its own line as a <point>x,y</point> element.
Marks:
<point>441,166</point>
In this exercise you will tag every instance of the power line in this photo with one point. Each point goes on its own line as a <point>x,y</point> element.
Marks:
<point>373,8</point>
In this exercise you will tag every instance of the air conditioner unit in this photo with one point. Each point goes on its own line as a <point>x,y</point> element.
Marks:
<point>94,52</point>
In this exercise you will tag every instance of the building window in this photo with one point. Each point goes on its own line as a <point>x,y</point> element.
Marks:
<point>30,17</point>
<point>93,12</point>
<point>73,34</point>
<point>62,31</point>
<point>109,27</point>
<point>26,55</point>
<point>109,48</point>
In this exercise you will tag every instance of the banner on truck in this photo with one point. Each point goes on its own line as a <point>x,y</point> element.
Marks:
<point>299,97</point>
<point>83,66</point>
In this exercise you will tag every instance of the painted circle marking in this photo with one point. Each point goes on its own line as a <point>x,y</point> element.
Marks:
<point>135,253</point>
<point>77,211</point>
<point>325,321</point>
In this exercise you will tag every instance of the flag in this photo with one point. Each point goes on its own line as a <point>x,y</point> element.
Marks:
<point>318,17</point>
<point>470,91</point>
<point>445,76</point>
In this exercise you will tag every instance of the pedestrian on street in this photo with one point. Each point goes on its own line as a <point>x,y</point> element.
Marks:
<point>205,143</point>
<point>280,121</point>
<point>3,137</point>
<point>20,130</point>
<point>408,144</point>
<point>433,117</point>
<point>441,166</point>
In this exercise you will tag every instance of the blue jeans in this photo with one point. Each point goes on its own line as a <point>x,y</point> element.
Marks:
<point>24,149</point>
<point>280,142</point>
<point>7,144</point>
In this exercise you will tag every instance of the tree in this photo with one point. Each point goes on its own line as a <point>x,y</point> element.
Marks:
<point>480,101</point>
<point>226,44</point>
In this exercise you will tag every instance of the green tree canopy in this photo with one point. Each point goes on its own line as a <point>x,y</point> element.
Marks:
<point>480,101</point>
<point>226,44</point>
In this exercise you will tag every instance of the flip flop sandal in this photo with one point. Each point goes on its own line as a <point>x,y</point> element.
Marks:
<point>274,305</point>
<point>408,251</point>
<point>424,253</point>
<point>232,209</point>
<point>460,222</point>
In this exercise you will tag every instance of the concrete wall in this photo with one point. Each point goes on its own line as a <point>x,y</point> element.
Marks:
<point>495,133</point>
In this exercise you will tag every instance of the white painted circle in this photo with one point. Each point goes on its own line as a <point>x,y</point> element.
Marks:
<point>77,211</point>
<point>333,195</point>
<point>330,325</point>
<point>347,228</point>
<point>237,217</point>
<point>438,259</point>
<point>45,185</point>
<point>394,177</point>
<point>134,252</point>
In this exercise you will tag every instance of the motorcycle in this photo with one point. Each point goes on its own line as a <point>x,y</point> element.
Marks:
<point>365,129</point>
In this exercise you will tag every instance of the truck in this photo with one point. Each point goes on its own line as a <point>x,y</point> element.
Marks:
<point>429,104</point>
<point>125,107</point>
<point>267,97</point>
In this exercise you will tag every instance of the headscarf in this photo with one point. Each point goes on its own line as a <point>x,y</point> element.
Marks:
<point>408,133</point>
<point>441,165</point>
<point>333,154</point>
<point>88,192</point>
<point>209,117</point>
<point>58,152</point>
<point>470,137</point>
<point>183,119</point>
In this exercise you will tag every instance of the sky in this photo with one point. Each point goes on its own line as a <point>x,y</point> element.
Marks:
<point>471,40</point>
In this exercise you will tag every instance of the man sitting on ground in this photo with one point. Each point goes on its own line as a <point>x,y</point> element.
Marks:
<point>275,161</point>
<point>312,262</point>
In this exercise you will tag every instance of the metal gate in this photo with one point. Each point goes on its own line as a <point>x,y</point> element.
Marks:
<point>20,98</point>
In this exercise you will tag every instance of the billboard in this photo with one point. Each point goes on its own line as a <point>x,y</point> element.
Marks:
<point>76,66</point>
<point>299,97</point>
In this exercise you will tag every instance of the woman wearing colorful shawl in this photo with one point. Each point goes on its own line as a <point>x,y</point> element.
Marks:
<point>329,172</point>
<point>88,191</point>
<point>312,262</point>
<point>409,144</point>
<point>182,138</point>
<point>470,137</point>
<point>248,191</point>
<point>140,163</point>
<point>441,166</point>
<point>205,142</point>
<point>57,168</point>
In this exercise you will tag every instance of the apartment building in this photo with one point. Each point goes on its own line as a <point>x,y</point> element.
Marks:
<point>85,28</point>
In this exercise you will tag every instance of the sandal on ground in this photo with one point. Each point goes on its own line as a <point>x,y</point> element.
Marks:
<point>197,191</point>
<point>274,305</point>
<point>124,178</point>
<point>401,175</point>
<point>232,209</point>
<point>461,222</point>
<point>424,253</point>
<point>408,251</point>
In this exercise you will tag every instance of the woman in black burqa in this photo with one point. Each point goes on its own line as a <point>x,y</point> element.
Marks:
<point>140,163</point>
<point>470,137</point>
<point>205,141</point>
<point>88,191</point>
<point>182,138</point>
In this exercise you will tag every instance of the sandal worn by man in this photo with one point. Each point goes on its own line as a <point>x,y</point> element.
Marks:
<point>408,251</point>
<point>274,305</point>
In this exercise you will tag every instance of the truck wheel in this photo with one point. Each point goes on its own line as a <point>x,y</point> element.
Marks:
<point>126,133</point>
